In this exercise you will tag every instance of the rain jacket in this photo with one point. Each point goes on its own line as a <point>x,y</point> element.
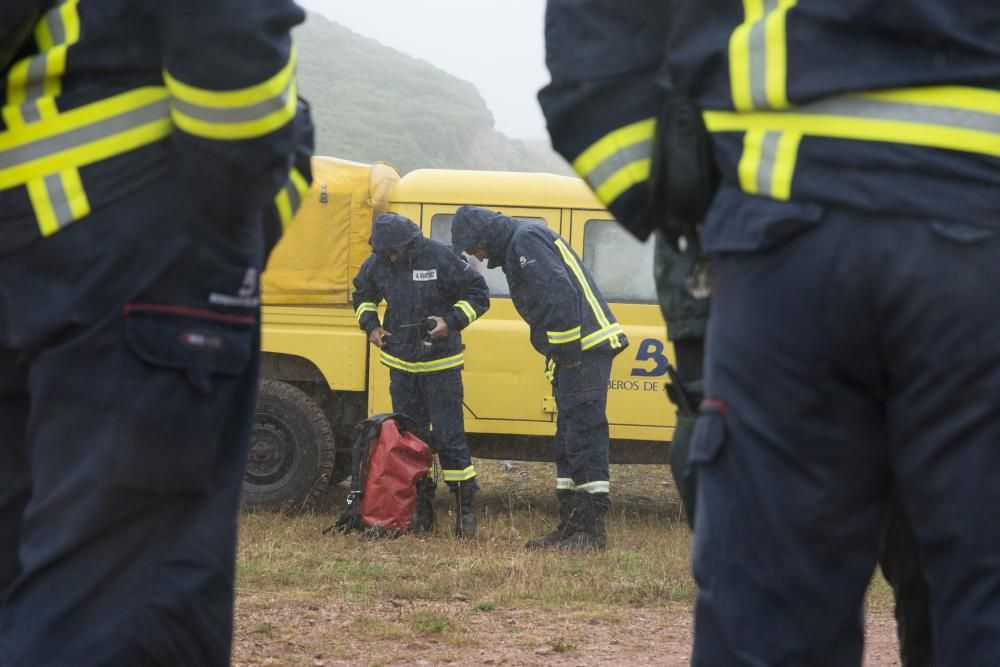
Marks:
<point>107,96</point>
<point>429,280</point>
<point>550,287</point>
<point>887,107</point>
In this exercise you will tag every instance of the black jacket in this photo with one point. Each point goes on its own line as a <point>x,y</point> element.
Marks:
<point>429,280</point>
<point>550,287</point>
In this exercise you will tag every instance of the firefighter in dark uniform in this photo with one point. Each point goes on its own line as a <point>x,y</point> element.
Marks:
<point>422,279</point>
<point>146,151</point>
<point>574,329</point>
<point>853,350</point>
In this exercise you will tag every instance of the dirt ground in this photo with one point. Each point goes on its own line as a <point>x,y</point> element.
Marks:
<point>329,635</point>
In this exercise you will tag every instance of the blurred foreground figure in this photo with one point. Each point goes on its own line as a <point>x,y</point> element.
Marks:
<point>150,154</point>
<point>851,215</point>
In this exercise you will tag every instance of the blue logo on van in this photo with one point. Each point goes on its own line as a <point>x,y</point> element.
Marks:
<point>651,349</point>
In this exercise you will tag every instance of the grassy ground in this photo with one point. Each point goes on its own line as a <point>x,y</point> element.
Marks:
<point>309,598</point>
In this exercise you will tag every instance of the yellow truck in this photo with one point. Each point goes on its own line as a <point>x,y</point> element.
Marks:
<point>319,376</point>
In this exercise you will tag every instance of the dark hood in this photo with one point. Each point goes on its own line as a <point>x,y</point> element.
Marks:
<point>475,226</point>
<point>392,231</point>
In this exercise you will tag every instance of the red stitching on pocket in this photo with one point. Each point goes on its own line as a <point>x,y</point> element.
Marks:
<point>189,312</point>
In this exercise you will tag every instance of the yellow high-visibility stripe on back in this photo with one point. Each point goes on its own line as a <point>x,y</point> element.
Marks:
<point>230,115</point>
<point>947,117</point>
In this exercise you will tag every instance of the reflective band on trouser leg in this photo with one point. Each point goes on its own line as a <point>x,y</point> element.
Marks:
<point>467,310</point>
<point>366,307</point>
<point>595,487</point>
<point>289,198</point>
<point>421,366</point>
<point>459,475</point>
<point>574,266</point>
<point>758,56</point>
<point>235,114</point>
<point>561,337</point>
<point>617,161</point>
<point>565,484</point>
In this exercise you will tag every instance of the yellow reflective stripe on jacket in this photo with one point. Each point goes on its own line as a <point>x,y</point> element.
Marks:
<point>617,161</point>
<point>57,200</point>
<point>289,198</point>
<point>560,337</point>
<point>365,307</point>
<point>758,56</point>
<point>459,475</point>
<point>550,370</point>
<point>421,366</point>
<point>468,310</point>
<point>595,305</point>
<point>565,484</point>
<point>84,135</point>
<point>595,487</point>
<point>234,114</point>
<point>768,163</point>
<point>610,332</point>
<point>947,117</point>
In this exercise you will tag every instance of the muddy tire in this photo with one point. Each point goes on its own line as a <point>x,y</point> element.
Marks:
<point>291,450</point>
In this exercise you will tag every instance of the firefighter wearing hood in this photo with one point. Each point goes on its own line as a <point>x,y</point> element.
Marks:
<point>424,283</point>
<point>574,329</point>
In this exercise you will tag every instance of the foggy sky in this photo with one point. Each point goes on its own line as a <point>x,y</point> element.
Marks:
<point>495,44</point>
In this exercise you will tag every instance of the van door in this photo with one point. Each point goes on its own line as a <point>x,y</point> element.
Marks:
<point>505,386</point>
<point>622,266</point>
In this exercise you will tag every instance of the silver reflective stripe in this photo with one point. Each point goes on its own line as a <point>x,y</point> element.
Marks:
<point>610,165</point>
<point>82,136</point>
<point>233,114</point>
<point>906,112</point>
<point>768,157</point>
<point>758,57</point>
<point>293,196</point>
<point>60,202</point>
<point>57,29</point>
<point>35,83</point>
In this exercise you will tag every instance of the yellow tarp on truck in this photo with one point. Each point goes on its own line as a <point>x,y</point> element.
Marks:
<point>327,241</point>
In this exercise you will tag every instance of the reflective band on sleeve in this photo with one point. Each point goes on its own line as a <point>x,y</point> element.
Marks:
<point>459,475</point>
<point>758,56</point>
<point>421,366</point>
<point>595,487</point>
<point>84,135</point>
<point>565,484</point>
<point>560,337</point>
<point>289,198</point>
<point>235,114</point>
<point>365,307</point>
<point>610,332</point>
<point>617,161</point>
<point>468,310</point>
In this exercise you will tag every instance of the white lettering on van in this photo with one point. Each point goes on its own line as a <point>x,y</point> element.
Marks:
<point>430,274</point>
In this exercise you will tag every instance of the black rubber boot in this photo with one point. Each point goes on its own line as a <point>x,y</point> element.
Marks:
<point>586,531</point>
<point>565,498</point>
<point>423,516</point>
<point>465,514</point>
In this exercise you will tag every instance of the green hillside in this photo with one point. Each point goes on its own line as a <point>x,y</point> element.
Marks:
<point>371,102</point>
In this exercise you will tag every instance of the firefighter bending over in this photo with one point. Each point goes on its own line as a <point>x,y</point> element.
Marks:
<point>574,329</point>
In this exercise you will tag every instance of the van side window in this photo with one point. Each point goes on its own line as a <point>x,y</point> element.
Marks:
<point>495,278</point>
<point>621,265</point>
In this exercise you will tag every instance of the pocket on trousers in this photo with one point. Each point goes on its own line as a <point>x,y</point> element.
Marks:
<point>712,498</point>
<point>182,380</point>
<point>708,438</point>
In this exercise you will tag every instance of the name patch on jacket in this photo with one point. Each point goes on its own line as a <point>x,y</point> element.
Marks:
<point>430,274</point>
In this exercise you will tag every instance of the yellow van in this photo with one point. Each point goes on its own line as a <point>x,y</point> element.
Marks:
<point>319,376</point>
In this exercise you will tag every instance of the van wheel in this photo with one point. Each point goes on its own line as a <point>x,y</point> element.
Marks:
<point>291,450</point>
